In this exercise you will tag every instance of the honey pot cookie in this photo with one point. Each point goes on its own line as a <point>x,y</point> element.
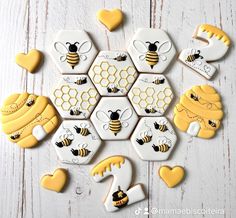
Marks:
<point>27,118</point>
<point>199,111</point>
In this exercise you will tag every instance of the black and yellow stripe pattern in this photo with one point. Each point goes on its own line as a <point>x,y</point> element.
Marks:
<point>152,58</point>
<point>83,152</point>
<point>161,148</point>
<point>115,126</point>
<point>84,131</point>
<point>72,59</point>
<point>147,138</point>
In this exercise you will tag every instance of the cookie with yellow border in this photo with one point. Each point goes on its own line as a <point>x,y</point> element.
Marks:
<point>199,111</point>
<point>27,118</point>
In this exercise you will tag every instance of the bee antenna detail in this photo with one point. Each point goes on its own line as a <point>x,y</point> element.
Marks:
<point>156,42</point>
<point>148,42</point>
<point>68,43</point>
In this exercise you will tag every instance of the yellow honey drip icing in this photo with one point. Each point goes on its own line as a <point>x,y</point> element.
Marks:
<point>106,164</point>
<point>214,31</point>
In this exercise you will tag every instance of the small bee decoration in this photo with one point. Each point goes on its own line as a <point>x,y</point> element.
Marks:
<point>152,52</point>
<point>30,102</point>
<point>83,129</point>
<point>73,53</point>
<point>194,97</point>
<point>194,56</point>
<point>158,80</point>
<point>145,137</point>
<point>79,80</point>
<point>163,145</point>
<point>120,57</point>
<point>160,127</point>
<point>65,139</point>
<point>115,120</point>
<point>112,89</point>
<point>82,151</point>
<point>15,136</point>
<point>212,123</point>
<point>150,109</point>
<point>119,198</point>
<point>75,111</point>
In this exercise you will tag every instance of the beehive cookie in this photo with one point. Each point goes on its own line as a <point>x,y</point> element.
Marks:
<point>199,111</point>
<point>27,118</point>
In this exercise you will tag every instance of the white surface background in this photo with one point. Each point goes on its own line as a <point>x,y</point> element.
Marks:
<point>210,164</point>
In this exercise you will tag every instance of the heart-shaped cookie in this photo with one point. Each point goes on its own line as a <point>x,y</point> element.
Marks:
<point>56,181</point>
<point>172,176</point>
<point>30,61</point>
<point>111,19</point>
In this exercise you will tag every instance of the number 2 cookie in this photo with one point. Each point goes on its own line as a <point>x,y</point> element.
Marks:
<point>120,194</point>
<point>27,118</point>
<point>197,58</point>
<point>199,111</point>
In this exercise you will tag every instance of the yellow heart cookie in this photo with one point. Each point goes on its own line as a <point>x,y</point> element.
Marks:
<point>55,182</point>
<point>29,61</point>
<point>171,176</point>
<point>111,19</point>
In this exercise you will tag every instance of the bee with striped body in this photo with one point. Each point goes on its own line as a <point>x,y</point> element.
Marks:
<point>150,109</point>
<point>212,123</point>
<point>194,97</point>
<point>115,120</point>
<point>79,80</point>
<point>158,80</point>
<point>15,136</point>
<point>74,53</point>
<point>65,139</point>
<point>75,111</point>
<point>145,137</point>
<point>30,102</point>
<point>160,127</point>
<point>120,57</point>
<point>164,144</point>
<point>82,130</point>
<point>112,89</point>
<point>82,151</point>
<point>192,57</point>
<point>151,52</point>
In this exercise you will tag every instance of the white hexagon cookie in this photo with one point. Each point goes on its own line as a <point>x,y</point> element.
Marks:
<point>75,97</point>
<point>76,141</point>
<point>73,51</point>
<point>114,118</point>
<point>151,50</point>
<point>113,73</point>
<point>150,95</point>
<point>154,138</point>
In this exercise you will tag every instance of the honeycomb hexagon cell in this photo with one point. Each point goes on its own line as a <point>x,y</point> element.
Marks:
<point>75,97</point>
<point>59,49</point>
<point>113,73</point>
<point>150,95</point>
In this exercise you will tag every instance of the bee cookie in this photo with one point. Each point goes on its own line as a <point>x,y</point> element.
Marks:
<point>73,51</point>
<point>153,138</point>
<point>27,119</point>
<point>151,50</point>
<point>199,111</point>
<point>110,19</point>
<point>76,141</point>
<point>56,181</point>
<point>114,118</point>
<point>151,95</point>
<point>113,73</point>
<point>30,61</point>
<point>75,96</point>
<point>197,58</point>
<point>119,195</point>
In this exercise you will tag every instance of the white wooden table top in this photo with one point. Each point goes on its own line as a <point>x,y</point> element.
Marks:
<point>210,164</point>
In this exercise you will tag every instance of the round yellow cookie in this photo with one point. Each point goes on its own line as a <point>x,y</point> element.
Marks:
<point>199,111</point>
<point>27,118</point>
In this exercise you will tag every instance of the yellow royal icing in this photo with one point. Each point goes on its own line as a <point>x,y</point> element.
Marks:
<point>56,181</point>
<point>30,61</point>
<point>172,176</point>
<point>111,19</point>
<point>200,104</point>
<point>27,118</point>
<point>106,164</point>
<point>214,31</point>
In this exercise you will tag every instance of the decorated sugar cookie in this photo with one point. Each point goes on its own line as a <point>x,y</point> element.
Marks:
<point>119,195</point>
<point>56,181</point>
<point>27,118</point>
<point>197,58</point>
<point>76,141</point>
<point>110,19</point>
<point>151,95</point>
<point>151,50</point>
<point>172,176</point>
<point>154,138</point>
<point>113,73</point>
<point>73,51</point>
<point>75,96</point>
<point>114,118</point>
<point>199,111</point>
<point>30,61</point>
